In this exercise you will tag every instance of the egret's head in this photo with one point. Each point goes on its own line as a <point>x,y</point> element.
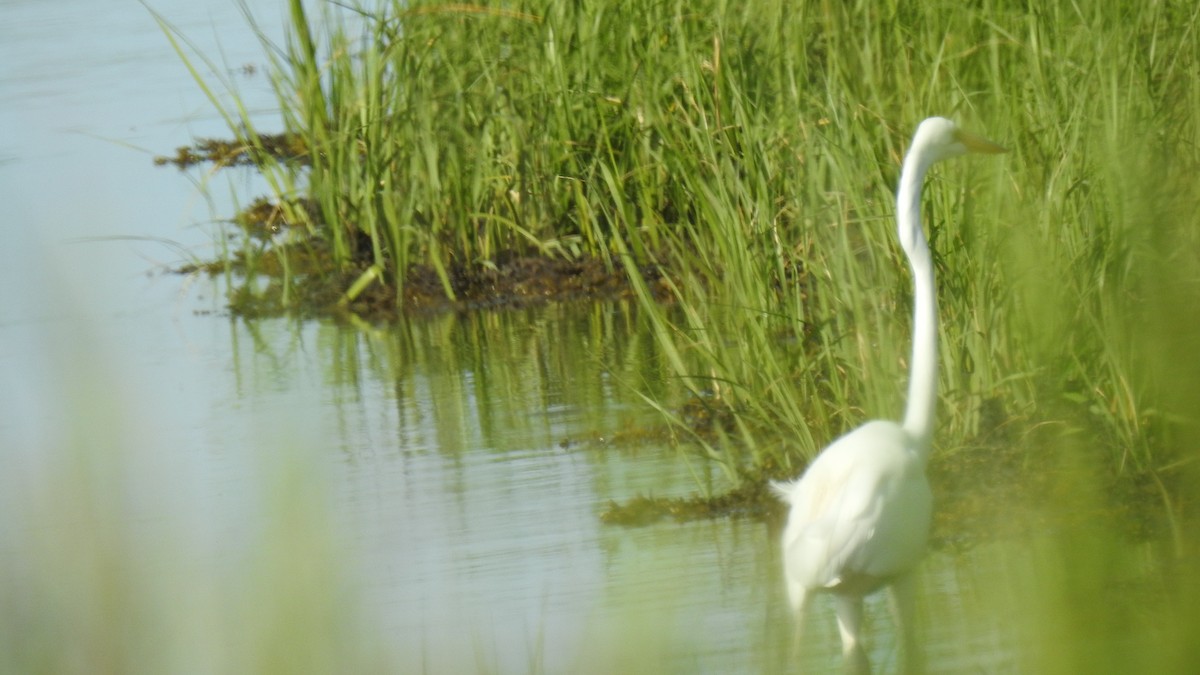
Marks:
<point>938,138</point>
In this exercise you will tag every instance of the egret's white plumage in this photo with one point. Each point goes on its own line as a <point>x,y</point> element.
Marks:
<point>860,514</point>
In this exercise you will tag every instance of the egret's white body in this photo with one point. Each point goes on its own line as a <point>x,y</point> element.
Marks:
<point>860,514</point>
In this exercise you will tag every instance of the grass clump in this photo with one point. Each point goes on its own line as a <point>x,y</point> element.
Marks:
<point>750,150</point>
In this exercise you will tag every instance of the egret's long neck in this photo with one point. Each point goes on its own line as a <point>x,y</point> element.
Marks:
<point>922,382</point>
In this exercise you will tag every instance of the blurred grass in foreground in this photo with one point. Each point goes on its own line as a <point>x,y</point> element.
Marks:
<point>115,559</point>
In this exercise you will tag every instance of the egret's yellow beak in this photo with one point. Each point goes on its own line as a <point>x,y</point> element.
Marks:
<point>979,144</point>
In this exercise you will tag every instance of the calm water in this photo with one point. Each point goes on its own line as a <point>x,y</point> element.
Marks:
<point>447,471</point>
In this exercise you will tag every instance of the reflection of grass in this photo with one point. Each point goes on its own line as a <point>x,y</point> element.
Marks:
<point>107,569</point>
<point>114,559</point>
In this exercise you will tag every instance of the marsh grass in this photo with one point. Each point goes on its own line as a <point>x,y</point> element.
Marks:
<point>752,149</point>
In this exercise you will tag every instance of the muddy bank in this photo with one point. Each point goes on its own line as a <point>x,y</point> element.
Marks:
<point>510,281</point>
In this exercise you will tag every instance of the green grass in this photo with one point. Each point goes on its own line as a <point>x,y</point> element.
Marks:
<point>752,149</point>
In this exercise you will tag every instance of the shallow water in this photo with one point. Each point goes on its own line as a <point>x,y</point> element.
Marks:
<point>455,465</point>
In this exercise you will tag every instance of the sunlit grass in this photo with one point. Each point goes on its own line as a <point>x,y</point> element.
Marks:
<point>752,149</point>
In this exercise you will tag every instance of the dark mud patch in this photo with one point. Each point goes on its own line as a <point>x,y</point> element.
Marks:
<point>516,280</point>
<point>238,152</point>
<point>510,281</point>
<point>751,499</point>
<point>282,267</point>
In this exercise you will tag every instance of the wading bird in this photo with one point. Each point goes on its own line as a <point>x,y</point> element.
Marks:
<point>860,514</point>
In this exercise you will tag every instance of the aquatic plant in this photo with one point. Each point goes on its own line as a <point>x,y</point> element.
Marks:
<point>750,150</point>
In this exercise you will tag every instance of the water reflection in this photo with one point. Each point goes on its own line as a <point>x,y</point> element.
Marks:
<point>469,477</point>
<point>472,472</point>
<point>477,381</point>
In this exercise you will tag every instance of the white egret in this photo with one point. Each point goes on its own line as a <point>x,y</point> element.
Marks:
<point>860,514</point>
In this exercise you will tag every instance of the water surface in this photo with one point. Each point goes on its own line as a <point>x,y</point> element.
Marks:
<point>434,485</point>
